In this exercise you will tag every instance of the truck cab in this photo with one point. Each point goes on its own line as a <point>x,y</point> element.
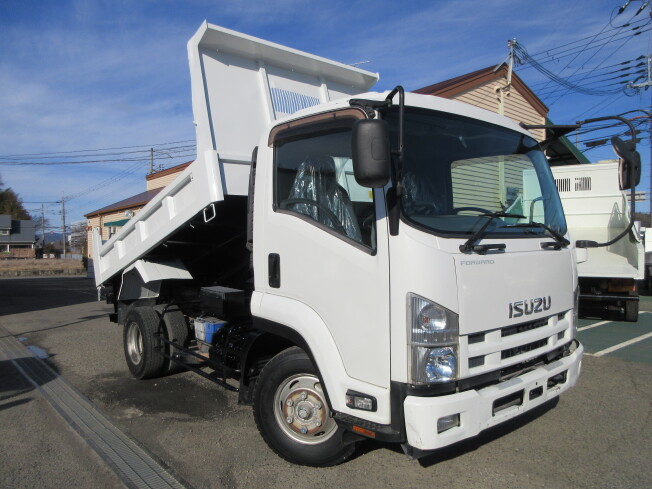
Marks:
<point>437,325</point>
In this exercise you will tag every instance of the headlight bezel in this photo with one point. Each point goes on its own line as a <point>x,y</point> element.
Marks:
<point>575,313</point>
<point>433,342</point>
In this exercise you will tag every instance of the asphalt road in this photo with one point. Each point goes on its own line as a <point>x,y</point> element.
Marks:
<point>599,434</point>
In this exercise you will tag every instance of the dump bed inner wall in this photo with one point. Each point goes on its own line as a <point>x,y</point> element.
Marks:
<point>213,252</point>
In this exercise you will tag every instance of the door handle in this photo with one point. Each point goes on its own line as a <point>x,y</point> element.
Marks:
<point>274,270</point>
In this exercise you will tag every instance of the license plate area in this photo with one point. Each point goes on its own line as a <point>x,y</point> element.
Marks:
<point>506,402</point>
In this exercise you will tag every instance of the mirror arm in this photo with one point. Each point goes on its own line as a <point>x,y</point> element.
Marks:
<point>632,195</point>
<point>394,193</point>
<point>618,118</point>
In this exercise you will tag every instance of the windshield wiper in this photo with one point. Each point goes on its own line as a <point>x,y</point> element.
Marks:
<point>558,237</point>
<point>482,249</point>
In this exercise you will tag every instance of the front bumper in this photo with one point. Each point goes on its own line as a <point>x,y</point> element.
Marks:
<point>483,408</point>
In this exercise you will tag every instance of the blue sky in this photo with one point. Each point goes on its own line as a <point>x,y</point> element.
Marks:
<point>86,75</point>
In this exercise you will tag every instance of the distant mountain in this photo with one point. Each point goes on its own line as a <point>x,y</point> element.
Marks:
<point>50,237</point>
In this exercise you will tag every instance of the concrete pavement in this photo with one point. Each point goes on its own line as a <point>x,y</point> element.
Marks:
<point>597,435</point>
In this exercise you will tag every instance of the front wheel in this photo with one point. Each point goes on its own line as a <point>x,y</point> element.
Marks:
<point>292,413</point>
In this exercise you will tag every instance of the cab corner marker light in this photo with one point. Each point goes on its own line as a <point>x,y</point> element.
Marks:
<point>363,431</point>
<point>357,400</point>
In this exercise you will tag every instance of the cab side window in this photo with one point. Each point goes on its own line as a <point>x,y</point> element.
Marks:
<point>314,179</point>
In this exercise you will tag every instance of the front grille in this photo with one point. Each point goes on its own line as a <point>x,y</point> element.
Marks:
<point>520,328</point>
<point>500,348</point>
<point>476,338</point>
<point>476,361</point>
<point>512,352</point>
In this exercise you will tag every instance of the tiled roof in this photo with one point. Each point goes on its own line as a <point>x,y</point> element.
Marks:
<point>22,231</point>
<point>168,171</point>
<point>135,201</point>
<point>5,221</point>
<point>457,85</point>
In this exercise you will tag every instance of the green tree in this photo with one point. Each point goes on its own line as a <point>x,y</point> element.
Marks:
<point>11,203</point>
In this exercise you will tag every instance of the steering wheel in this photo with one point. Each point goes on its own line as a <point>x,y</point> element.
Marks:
<point>338,226</point>
<point>421,207</point>
<point>481,210</point>
<point>368,221</point>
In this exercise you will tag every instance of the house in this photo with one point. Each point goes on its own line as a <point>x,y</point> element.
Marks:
<point>111,218</point>
<point>499,90</point>
<point>17,237</point>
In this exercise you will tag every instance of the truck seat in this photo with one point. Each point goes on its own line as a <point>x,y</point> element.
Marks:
<point>316,181</point>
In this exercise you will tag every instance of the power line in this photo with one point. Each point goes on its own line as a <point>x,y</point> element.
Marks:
<point>549,52</point>
<point>559,80</point>
<point>564,92</point>
<point>95,150</point>
<point>20,158</point>
<point>597,76</point>
<point>571,52</point>
<point>89,162</point>
<point>579,52</point>
<point>105,183</point>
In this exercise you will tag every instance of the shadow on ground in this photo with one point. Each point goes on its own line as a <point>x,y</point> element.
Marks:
<point>453,451</point>
<point>13,383</point>
<point>26,295</point>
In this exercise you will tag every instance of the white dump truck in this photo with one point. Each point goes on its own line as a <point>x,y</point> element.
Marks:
<point>356,265</point>
<point>597,209</point>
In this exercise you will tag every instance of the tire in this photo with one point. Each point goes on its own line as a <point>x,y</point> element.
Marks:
<point>140,342</point>
<point>289,389</point>
<point>176,329</point>
<point>631,311</point>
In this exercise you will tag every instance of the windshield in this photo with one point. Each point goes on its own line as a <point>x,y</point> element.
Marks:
<point>457,172</point>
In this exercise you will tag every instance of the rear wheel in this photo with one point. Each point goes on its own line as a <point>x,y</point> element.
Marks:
<point>140,343</point>
<point>292,413</point>
<point>631,311</point>
<point>176,329</point>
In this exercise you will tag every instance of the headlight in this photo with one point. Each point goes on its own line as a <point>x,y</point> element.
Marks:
<point>433,336</point>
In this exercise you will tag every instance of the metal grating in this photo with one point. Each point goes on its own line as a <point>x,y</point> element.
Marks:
<point>136,467</point>
<point>582,183</point>
<point>289,102</point>
<point>563,184</point>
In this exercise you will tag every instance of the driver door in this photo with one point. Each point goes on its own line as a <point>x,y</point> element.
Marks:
<point>332,256</point>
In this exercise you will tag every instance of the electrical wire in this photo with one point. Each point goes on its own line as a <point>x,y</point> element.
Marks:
<point>557,57</point>
<point>94,150</point>
<point>550,51</point>
<point>105,183</point>
<point>581,51</point>
<point>565,92</point>
<point>522,52</point>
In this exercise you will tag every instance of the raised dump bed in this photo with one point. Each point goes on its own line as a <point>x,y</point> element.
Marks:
<point>596,209</point>
<point>240,84</point>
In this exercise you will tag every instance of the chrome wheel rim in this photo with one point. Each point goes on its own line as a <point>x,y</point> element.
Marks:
<point>301,410</point>
<point>134,343</point>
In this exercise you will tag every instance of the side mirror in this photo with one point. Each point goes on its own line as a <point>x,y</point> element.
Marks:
<point>371,153</point>
<point>630,163</point>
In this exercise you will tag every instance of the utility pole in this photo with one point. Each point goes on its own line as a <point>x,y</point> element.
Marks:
<point>151,160</point>
<point>503,91</point>
<point>63,224</point>
<point>43,225</point>
<point>647,83</point>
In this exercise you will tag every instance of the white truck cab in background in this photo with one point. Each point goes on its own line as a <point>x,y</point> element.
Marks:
<point>596,209</point>
<point>387,266</point>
